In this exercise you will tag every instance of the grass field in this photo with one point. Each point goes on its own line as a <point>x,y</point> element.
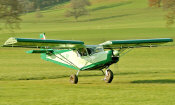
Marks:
<point>145,76</point>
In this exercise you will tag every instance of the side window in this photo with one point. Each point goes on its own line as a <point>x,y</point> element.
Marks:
<point>98,49</point>
<point>90,51</point>
<point>82,52</point>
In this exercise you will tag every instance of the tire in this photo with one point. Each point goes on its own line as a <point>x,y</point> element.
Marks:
<point>74,79</point>
<point>109,76</point>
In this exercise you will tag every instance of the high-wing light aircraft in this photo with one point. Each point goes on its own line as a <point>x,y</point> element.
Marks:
<point>76,55</point>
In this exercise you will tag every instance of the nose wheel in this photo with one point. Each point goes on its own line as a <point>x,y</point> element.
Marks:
<point>108,76</point>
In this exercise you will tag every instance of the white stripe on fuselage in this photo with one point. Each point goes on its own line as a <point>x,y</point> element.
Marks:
<point>74,59</point>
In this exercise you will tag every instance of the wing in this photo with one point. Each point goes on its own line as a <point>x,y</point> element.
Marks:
<point>119,44</point>
<point>40,43</point>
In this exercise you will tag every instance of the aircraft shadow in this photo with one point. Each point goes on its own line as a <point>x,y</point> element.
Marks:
<point>160,81</point>
<point>56,77</point>
<point>42,78</point>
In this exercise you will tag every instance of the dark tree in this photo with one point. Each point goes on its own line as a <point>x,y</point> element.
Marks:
<point>77,8</point>
<point>169,6</point>
<point>38,14</point>
<point>155,3</point>
<point>40,4</point>
<point>10,13</point>
<point>27,5</point>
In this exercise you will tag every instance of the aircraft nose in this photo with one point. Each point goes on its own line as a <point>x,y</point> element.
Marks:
<point>115,53</point>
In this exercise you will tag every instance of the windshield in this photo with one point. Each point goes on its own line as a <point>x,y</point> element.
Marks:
<point>94,49</point>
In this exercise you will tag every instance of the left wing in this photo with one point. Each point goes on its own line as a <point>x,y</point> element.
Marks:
<point>40,43</point>
<point>120,44</point>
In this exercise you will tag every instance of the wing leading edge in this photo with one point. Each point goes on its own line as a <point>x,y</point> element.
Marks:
<point>40,43</point>
<point>118,44</point>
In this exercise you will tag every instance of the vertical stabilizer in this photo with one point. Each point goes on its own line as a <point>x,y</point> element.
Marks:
<point>42,36</point>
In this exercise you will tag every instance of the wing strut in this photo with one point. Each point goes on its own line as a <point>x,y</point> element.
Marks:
<point>66,60</point>
<point>125,51</point>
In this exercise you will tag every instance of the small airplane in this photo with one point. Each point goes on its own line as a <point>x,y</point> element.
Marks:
<point>76,55</point>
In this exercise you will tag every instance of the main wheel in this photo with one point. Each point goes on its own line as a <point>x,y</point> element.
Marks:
<point>108,76</point>
<point>74,79</point>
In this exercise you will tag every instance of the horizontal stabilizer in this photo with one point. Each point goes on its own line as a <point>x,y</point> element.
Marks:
<point>135,43</point>
<point>41,51</point>
<point>39,43</point>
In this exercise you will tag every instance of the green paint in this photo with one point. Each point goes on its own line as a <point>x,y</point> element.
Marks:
<point>43,56</point>
<point>135,43</point>
<point>60,51</point>
<point>139,41</point>
<point>41,51</point>
<point>48,41</point>
<point>40,43</point>
<point>48,51</point>
<point>42,36</point>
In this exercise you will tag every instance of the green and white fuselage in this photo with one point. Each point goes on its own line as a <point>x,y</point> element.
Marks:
<point>94,58</point>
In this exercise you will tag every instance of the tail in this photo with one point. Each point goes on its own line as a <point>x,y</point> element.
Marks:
<point>42,36</point>
<point>43,55</point>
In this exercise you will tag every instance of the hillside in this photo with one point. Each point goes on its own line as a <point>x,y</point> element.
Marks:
<point>112,16</point>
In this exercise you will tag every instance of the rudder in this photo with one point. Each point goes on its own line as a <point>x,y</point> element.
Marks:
<point>42,36</point>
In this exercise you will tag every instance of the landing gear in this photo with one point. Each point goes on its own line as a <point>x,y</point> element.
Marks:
<point>74,79</point>
<point>108,76</point>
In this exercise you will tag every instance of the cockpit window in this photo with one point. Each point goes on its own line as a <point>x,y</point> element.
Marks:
<point>82,52</point>
<point>94,49</point>
<point>90,50</point>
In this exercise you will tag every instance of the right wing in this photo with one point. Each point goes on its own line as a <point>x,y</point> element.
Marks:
<point>123,44</point>
<point>45,44</point>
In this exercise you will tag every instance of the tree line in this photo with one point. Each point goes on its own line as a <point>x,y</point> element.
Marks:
<point>32,5</point>
<point>10,10</point>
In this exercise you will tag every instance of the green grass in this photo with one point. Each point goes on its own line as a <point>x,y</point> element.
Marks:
<point>145,76</point>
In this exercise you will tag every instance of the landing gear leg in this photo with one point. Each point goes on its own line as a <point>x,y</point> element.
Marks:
<point>74,78</point>
<point>103,72</point>
<point>108,76</point>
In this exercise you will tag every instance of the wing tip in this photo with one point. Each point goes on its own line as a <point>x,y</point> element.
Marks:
<point>10,41</point>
